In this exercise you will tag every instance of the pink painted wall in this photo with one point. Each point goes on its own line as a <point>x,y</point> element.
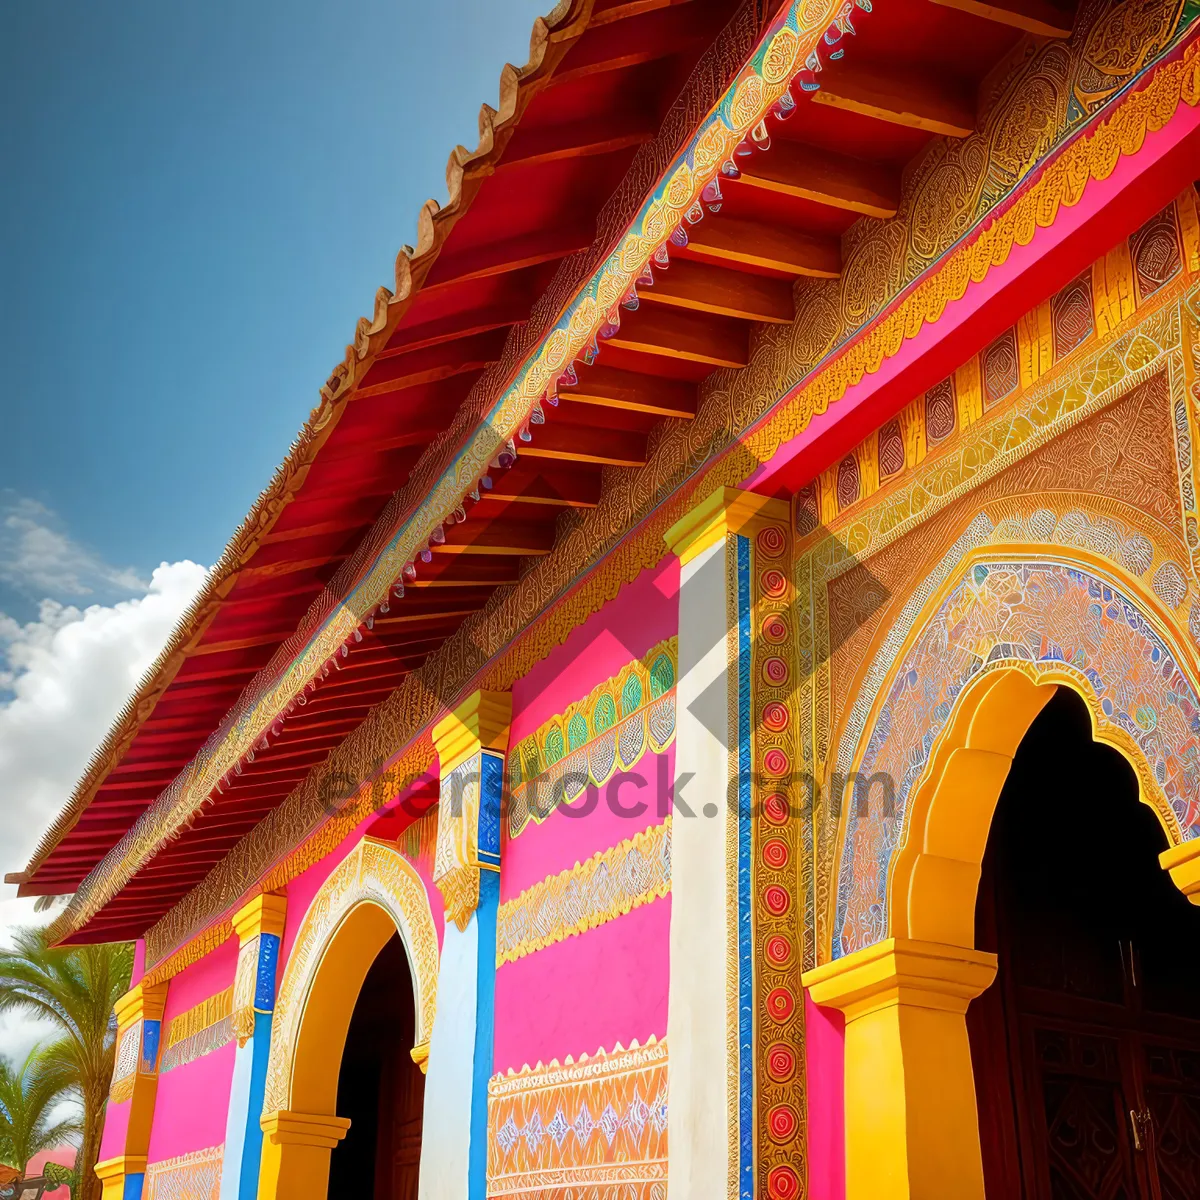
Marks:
<point>610,984</point>
<point>192,1099</point>
<point>824,1055</point>
<point>586,993</point>
<point>116,1123</point>
<point>643,613</point>
<point>192,1103</point>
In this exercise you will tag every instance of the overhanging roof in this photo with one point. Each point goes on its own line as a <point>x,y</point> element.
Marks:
<point>836,159</point>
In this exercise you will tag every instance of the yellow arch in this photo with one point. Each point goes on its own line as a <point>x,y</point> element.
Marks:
<point>371,895</point>
<point>935,872</point>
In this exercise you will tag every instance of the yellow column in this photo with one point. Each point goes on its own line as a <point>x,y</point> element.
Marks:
<point>912,1127</point>
<point>135,1079</point>
<point>295,1154</point>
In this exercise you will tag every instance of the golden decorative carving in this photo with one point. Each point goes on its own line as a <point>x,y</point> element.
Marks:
<point>608,885</point>
<point>194,1176</point>
<point>596,1126</point>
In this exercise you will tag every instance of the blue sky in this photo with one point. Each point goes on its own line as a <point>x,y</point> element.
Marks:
<point>199,201</point>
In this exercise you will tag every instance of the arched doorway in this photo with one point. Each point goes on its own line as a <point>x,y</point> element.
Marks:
<point>1086,1049</point>
<point>380,1089</point>
<point>373,897</point>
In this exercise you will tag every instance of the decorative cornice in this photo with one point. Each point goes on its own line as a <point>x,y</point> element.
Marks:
<point>125,1164</point>
<point>899,971</point>
<point>285,1128</point>
<point>1183,864</point>
<point>726,510</point>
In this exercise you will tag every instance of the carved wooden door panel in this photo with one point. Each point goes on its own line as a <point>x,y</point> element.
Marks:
<point>1079,1139</point>
<point>407,1112</point>
<point>1172,1117</point>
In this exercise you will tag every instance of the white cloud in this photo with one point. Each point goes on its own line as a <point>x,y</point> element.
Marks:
<point>63,679</point>
<point>39,559</point>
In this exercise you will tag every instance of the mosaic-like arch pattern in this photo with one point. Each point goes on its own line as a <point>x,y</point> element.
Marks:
<point>374,872</point>
<point>1048,616</point>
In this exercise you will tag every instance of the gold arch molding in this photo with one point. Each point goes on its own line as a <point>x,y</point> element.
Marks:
<point>372,894</point>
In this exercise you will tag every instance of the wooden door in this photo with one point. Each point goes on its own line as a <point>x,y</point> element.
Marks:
<point>408,1109</point>
<point>1087,1048</point>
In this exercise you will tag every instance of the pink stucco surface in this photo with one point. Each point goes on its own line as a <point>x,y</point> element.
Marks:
<point>191,1106</point>
<point>607,985</point>
<point>116,1122</point>
<point>586,993</point>
<point>642,614</point>
<point>212,974</point>
<point>573,834</point>
<point>824,1048</point>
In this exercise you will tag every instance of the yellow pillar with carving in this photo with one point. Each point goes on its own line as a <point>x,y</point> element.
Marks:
<point>912,1128</point>
<point>135,1081</point>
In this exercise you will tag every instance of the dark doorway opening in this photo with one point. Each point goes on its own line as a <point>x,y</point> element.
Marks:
<point>380,1089</point>
<point>1087,1048</point>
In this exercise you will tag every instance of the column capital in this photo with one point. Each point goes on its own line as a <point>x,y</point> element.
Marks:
<point>899,971</point>
<point>125,1164</point>
<point>113,1172</point>
<point>285,1128</point>
<point>1183,864</point>
<point>266,913</point>
<point>141,1002</point>
<point>481,721</point>
<point>724,511</point>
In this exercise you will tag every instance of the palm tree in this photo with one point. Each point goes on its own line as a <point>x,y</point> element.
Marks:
<point>76,988</point>
<point>31,1098</point>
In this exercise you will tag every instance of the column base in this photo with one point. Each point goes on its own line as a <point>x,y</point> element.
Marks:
<point>295,1154</point>
<point>912,1125</point>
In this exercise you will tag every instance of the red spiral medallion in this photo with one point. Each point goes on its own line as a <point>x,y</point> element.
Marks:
<point>776,899</point>
<point>782,1183</point>
<point>783,1123</point>
<point>780,1003</point>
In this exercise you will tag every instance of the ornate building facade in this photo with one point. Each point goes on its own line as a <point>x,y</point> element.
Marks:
<point>675,724</point>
